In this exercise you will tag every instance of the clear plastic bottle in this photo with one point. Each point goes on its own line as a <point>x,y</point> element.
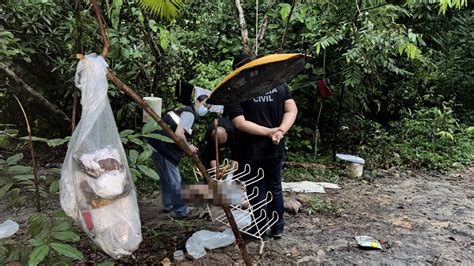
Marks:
<point>178,255</point>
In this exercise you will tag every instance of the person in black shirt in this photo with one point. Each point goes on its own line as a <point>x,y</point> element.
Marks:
<point>225,136</point>
<point>260,125</point>
<point>167,156</point>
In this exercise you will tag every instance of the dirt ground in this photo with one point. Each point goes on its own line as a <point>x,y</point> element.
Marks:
<point>420,218</point>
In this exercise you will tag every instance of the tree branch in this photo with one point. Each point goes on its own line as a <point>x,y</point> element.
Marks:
<point>287,23</point>
<point>79,50</point>
<point>243,28</point>
<point>103,34</point>
<point>261,33</point>
<point>38,96</point>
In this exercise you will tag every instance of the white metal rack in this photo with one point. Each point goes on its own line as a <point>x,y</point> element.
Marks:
<point>247,216</point>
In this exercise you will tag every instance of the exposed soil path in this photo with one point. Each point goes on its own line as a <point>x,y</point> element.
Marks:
<point>421,218</point>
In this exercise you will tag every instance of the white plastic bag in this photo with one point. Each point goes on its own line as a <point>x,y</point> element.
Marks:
<point>96,188</point>
<point>201,240</point>
<point>8,228</point>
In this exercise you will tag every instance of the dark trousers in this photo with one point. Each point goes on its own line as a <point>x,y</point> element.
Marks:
<point>271,182</point>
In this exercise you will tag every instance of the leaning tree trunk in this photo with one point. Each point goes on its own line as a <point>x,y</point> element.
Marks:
<point>24,87</point>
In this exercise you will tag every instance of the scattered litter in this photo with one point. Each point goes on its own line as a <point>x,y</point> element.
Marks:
<point>8,228</point>
<point>166,262</point>
<point>356,164</point>
<point>242,218</point>
<point>201,240</point>
<point>295,252</point>
<point>350,158</point>
<point>308,187</point>
<point>178,255</point>
<point>368,242</point>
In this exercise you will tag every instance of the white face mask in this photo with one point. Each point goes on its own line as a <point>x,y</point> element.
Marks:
<point>201,110</point>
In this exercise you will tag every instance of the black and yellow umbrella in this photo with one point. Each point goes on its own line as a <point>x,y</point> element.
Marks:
<point>256,78</point>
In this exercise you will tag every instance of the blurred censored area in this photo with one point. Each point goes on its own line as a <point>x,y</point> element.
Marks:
<point>227,193</point>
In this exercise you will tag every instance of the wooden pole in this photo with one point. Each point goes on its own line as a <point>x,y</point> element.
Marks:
<point>216,144</point>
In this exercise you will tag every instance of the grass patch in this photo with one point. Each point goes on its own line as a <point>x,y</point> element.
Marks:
<point>319,206</point>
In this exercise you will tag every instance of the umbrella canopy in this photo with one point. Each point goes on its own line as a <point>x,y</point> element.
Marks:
<point>256,78</point>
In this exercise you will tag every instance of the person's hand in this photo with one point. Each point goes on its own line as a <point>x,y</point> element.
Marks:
<point>193,148</point>
<point>277,136</point>
<point>272,131</point>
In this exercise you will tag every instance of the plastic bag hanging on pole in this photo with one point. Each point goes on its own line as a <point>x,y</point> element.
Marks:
<point>96,187</point>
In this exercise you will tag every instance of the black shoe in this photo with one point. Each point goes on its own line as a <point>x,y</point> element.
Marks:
<point>166,210</point>
<point>277,236</point>
<point>188,216</point>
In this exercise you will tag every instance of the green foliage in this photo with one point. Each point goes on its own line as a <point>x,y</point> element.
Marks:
<point>167,9</point>
<point>10,47</point>
<point>430,138</point>
<point>48,241</point>
<point>17,182</point>
<point>319,206</point>
<point>47,234</point>
<point>208,75</point>
<point>139,160</point>
<point>385,55</point>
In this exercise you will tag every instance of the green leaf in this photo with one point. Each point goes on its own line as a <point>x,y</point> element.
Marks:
<point>136,141</point>
<point>57,142</point>
<point>133,156</point>
<point>5,188</point>
<point>38,255</point>
<point>126,132</point>
<point>135,173</point>
<point>153,25</point>
<point>54,187</point>
<point>159,137</point>
<point>24,177</point>
<point>67,250</point>
<point>150,126</point>
<point>36,242</point>
<point>38,224</point>
<point>60,214</point>
<point>166,9</point>
<point>61,225</point>
<point>14,159</point>
<point>149,172</point>
<point>115,14</point>
<point>54,170</point>
<point>285,11</point>
<point>65,236</point>
<point>145,155</point>
<point>164,38</point>
<point>106,263</point>
<point>20,169</point>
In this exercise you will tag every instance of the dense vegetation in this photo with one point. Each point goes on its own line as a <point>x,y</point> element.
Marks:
<point>405,67</point>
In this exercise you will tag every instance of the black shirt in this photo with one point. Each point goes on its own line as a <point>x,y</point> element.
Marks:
<point>266,110</point>
<point>171,151</point>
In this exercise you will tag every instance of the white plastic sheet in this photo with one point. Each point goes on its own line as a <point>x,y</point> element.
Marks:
<point>307,186</point>
<point>8,228</point>
<point>201,240</point>
<point>96,188</point>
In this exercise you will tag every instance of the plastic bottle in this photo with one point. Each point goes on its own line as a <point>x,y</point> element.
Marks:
<point>178,255</point>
